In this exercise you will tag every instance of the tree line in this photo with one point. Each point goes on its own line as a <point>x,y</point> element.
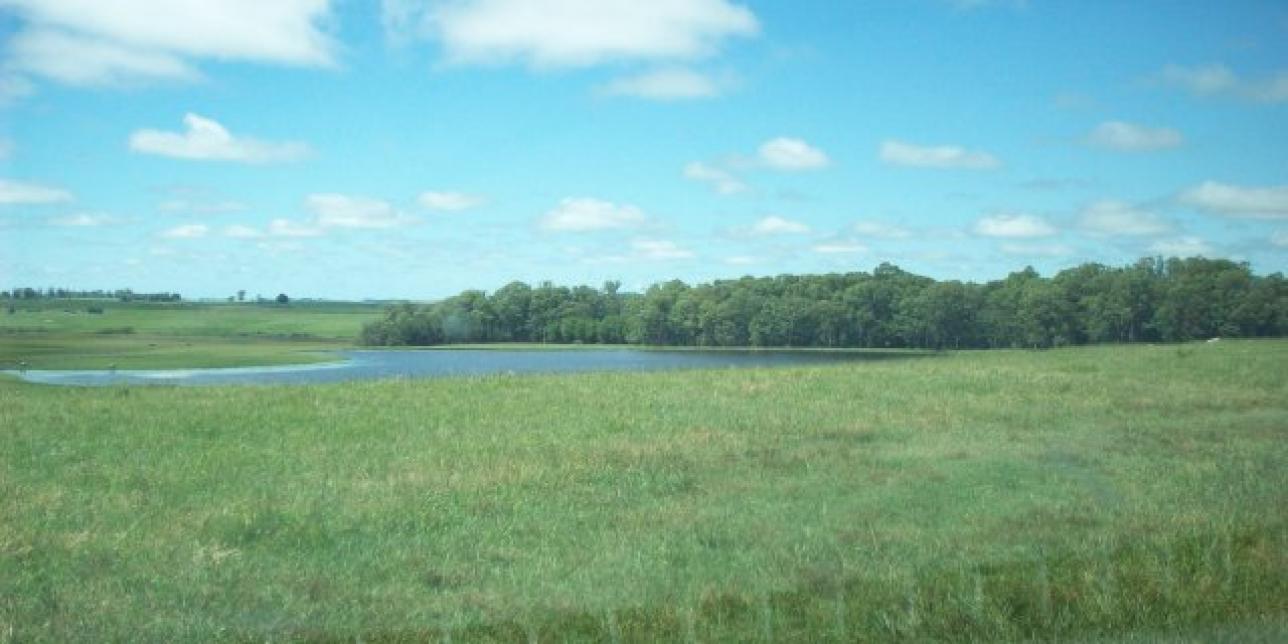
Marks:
<point>52,293</point>
<point>1153,299</point>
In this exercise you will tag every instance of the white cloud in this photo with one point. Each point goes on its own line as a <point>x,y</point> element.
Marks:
<point>1188,246</point>
<point>105,42</point>
<point>1014,226</point>
<point>18,192</point>
<point>13,87</point>
<point>659,250</point>
<point>205,139</point>
<point>449,201</point>
<point>200,207</point>
<point>1238,201</point>
<point>1204,79</point>
<point>330,211</point>
<point>343,211</point>
<point>584,214</point>
<point>575,33</point>
<point>840,247</point>
<point>721,180</point>
<point>641,250</point>
<point>1218,80</point>
<point>1280,238</point>
<point>78,60</point>
<point>280,247</point>
<point>239,231</point>
<point>1127,137</point>
<point>668,84</point>
<point>881,230</point>
<point>774,225</point>
<point>785,153</point>
<point>186,231</point>
<point>1036,250</point>
<point>942,156</point>
<point>1114,218</point>
<point>82,220</point>
<point>288,228</point>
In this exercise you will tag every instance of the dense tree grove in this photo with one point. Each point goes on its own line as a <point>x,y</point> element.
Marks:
<point>1152,300</point>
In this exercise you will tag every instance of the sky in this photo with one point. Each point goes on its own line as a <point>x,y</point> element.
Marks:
<point>414,148</point>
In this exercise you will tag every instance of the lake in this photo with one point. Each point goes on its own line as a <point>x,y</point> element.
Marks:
<point>382,364</point>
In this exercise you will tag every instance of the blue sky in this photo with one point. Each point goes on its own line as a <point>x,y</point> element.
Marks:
<point>411,148</point>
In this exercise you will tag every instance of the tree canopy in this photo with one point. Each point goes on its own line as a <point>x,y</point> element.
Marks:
<point>1151,300</point>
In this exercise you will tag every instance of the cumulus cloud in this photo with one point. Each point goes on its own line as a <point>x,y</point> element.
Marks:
<point>1238,201</point>
<point>881,230</point>
<point>659,250</point>
<point>239,231</point>
<point>77,60</point>
<point>571,33</point>
<point>288,228</point>
<point>1114,218</point>
<point>82,220</point>
<point>1127,137</point>
<point>940,156</point>
<point>343,211</point>
<point>1014,226</point>
<point>775,225</point>
<point>639,250</point>
<point>1187,246</point>
<point>669,84</point>
<point>1219,80</point>
<point>1280,238</point>
<point>107,42</point>
<point>1036,250</point>
<point>840,247</point>
<point>785,153</point>
<point>722,181</point>
<point>19,192</point>
<point>201,207</point>
<point>449,201</point>
<point>330,211</point>
<point>186,231</point>
<point>206,140</point>
<point>14,86</point>
<point>584,214</point>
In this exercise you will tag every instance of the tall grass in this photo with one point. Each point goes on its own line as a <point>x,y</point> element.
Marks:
<point>1106,492</point>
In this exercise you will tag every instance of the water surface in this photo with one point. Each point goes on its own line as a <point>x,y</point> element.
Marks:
<point>382,364</point>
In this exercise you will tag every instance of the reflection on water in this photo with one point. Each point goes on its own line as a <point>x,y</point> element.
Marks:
<point>371,365</point>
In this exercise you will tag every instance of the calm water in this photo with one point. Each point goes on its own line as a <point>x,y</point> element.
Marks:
<point>371,365</point>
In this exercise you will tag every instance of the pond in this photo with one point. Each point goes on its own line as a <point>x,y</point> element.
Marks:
<point>372,365</point>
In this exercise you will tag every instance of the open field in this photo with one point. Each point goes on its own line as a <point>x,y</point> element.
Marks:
<point>1120,492</point>
<point>60,334</point>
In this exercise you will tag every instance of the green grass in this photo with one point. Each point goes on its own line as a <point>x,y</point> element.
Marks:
<point>1109,493</point>
<point>60,334</point>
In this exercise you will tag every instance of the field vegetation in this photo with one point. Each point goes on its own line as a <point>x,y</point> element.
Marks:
<point>99,333</point>
<point>1131,493</point>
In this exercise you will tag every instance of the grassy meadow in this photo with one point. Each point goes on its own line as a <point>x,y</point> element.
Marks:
<point>1113,493</point>
<point>62,334</point>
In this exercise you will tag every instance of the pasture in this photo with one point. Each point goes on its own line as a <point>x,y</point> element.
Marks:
<point>1115,493</point>
<point>63,334</point>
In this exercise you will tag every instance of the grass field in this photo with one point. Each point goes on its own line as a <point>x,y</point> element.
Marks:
<point>61,334</point>
<point>1107,493</point>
